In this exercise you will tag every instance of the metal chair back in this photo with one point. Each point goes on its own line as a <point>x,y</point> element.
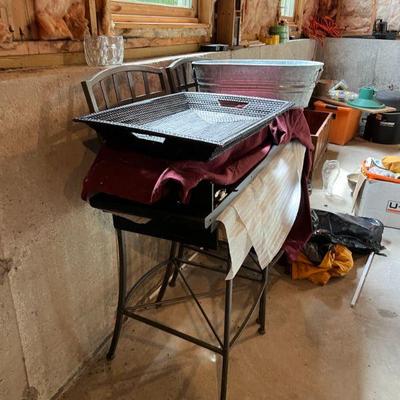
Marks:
<point>124,84</point>
<point>181,75</point>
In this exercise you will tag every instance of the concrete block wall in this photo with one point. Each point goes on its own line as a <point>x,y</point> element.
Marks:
<point>58,275</point>
<point>362,62</point>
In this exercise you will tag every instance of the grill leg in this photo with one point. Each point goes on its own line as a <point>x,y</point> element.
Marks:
<point>176,270</point>
<point>121,295</point>
<point>263,301</point>
<point>168,272</point>
<point>226,348</point>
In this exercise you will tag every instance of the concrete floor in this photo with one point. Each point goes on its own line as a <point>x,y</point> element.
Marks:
<point>316,347</point>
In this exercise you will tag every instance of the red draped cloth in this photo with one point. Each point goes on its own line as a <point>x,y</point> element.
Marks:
<point>131,175</point>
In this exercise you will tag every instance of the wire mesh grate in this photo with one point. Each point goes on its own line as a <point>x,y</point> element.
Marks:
<point>199,117</point>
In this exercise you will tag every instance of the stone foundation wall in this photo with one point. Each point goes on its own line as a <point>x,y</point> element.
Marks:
<point>362,62</point>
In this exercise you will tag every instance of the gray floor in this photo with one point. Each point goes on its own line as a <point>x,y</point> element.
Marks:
<point>316,346</point>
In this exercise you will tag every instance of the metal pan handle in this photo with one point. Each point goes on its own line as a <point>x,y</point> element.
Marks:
<point>233,103</point>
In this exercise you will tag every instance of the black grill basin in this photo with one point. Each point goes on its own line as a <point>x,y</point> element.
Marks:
<point>187,125</point>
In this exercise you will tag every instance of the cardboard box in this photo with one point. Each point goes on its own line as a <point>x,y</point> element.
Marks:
<point>378,199</point>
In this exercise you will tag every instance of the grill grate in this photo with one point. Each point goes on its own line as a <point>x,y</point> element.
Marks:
<point>205,118</point>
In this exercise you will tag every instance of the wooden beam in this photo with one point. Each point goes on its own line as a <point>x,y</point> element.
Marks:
<point>226,22</point>
<point>162,25</point>
<point>205,11</point>
<point>58,59</point>
<point>150,52</point>
<point>298,13</point>
<point>106,22</point>
<point>31,47</point>
<point>31,20</point>
<point>21,19</point>
<point>93,17</point>
<point>132,43</point>
<point>121,7</point>
<point>41,60</point>
<point>153,19</point>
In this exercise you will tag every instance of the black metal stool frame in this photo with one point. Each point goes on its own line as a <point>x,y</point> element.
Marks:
<point>204,236</point>
<point>173,269</point>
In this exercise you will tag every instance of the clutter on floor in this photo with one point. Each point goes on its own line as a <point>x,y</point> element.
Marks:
<point>345,124</point>
<point>377,193</point>
<point>374,168</point>
<point>392,163</point>
<point>328,253</point>
<point>319,123</point>
<point>366,99</point>
<point>338,261</point>
<point>383,128</point>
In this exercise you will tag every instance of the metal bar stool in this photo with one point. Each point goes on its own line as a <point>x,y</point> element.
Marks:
<point>185,233</point>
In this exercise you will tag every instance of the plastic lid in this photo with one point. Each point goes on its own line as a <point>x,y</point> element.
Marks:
<point>365,103</point>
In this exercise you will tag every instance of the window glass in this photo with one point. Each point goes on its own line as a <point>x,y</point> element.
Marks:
<point>287,8</point>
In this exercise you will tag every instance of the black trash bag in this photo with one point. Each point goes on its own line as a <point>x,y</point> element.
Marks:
<point>359,234</point>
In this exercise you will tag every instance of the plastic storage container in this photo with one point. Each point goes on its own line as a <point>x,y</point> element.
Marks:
<point>345,124</point>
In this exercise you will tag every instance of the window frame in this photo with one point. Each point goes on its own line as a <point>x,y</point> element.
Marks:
<point>286,17</point>
<point>296,21</point>
<point>297,15</point>
<point>126,15</point>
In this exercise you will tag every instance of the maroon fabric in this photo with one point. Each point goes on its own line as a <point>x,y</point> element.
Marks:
<point>141,178</point>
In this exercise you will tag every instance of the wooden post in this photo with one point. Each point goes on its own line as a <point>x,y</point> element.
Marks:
<point>93,17</point>
<point>106,23</point>
<point>226,22</point>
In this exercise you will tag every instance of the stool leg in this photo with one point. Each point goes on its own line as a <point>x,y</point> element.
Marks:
<point>227,326</point>
<point>176,270</point>
<point>263,301</point>
<point>168,272</point>
<point>121,295</point>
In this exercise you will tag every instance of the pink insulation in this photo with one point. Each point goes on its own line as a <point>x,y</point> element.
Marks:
<point>389,10</point>
<point>5,34</point>
<point>61,19</point>
<point>309,11</point>
<point>257,17</point>
<point>356,16</point>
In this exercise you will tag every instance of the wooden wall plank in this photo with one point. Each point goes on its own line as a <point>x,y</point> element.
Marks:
<point>226,22</point>
<point>51,60</point>
<point>163,25</point>
<point>23,19</point>
<point>154,19</point>
<point>206,11</point>
<point>93,17</point>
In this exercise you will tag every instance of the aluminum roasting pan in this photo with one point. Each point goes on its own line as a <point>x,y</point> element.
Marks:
<point>186,125</point>
<point>291,80</point>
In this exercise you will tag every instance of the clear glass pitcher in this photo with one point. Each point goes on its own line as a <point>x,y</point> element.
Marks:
<point>104,50</point>
<point>330,174</point>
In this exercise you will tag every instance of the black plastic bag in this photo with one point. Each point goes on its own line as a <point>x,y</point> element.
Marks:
<point>359,234</point>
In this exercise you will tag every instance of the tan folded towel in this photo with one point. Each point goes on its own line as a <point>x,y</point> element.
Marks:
<point>264,213</point>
